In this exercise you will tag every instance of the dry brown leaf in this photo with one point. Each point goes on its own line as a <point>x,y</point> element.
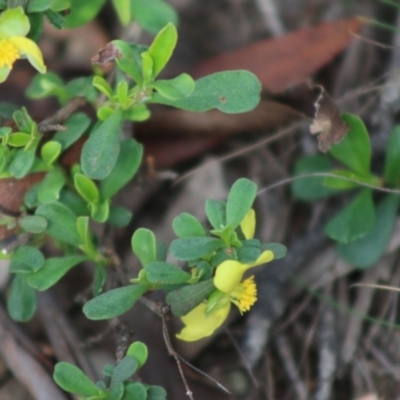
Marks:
<point>288,60</point>
<point>331,129</point>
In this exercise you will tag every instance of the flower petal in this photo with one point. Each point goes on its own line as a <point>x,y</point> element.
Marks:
<point>265,257</point>
<point>248,224</point>
<point>29,49</point>
<point>4,72</point>
<point>228,275</point>
<point>13,22</point>
<point>199,326</point>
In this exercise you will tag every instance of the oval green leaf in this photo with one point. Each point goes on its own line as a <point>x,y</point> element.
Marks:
<point>354,150</point>
<point>240,199</point>
<point>100,152</point>
<point>114,302</point>
<point>193,248</point>
<point>354,221</point>
<point>365,252</point>
<point>231,92</point>
<point>73,380</point>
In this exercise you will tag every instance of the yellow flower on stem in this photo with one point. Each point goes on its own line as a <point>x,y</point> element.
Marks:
<point>204,319</point>
<point>14,26</point>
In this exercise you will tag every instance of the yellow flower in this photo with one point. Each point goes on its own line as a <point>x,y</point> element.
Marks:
<point>204,319</point>
<point>14,26</point>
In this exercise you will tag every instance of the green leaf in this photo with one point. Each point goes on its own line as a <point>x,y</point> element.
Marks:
<point>249,251</point>
<point>160,272</point>
<point>144,245</point>
<point>82,226</point>
<point>311,188</point>
<point>82,87</point>
<point>175,89</point>
<point>24,121</point>
<point>50,188</point>
<point>26,259</point>
<point>82,12</point>
<point>119,216</point>
<point>128,163</point>
<point>74,202</point>
<point>100,211</point>
<point>240,199</point>
<point>55,19</point>
<point>100,152</point>
<point>50,152</point>
<point>135,391</point>
<point>37,25</point>
<point>354,150</point>
<point>52,271</point>
<point>187,225</point>
<point>156,393</point>
<point>86,188</point>
<point>354,221</point>
<point>153,15</point>
<point>193,248</point>
<point>19,139</point>
<point>128,59</point>
<point>114,302</point>
<point>102,86</point>
<point>116,392</point>
<point>122,94</point>
<point>216,213</point>
<point>60,5</point>
<point>185,299</point>
<point>162,47</point>
<point>139,351</point>
<point>342,184</point>
<point>231,92</point>
<point>74,380</point>
<point>22,162</point>
<point>137,113</point>
<point>100,275</point>
<point>124,370</point>
<point>365,252</point>
<point>147,68</point>
<point>278,249</point>
<point>61,222</point>
<point>32,223</point>
<point>392,160</point>
<point>75,127</point>
<point>45,85</point>
<point>35,6</point>
<point>5,157</point>
<point>21,301</point>
<point>123,9</point>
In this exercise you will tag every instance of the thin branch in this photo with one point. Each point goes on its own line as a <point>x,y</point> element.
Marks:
<point>328,175</point>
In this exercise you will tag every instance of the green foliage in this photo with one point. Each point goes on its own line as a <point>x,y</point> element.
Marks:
<point>185,299</point>
<point>354,221</point>
<point>230,92</point>
<point>365,252</point>
<point>392,162</point>
<point>311,188</point>
<point>114,302</point>
<point>238,205</point>
<point>355,150</point>
<point>66,198</point>
<point>100,152</point>
<point>361,228</point>
<point>153,15</point>
<point>117,383</point>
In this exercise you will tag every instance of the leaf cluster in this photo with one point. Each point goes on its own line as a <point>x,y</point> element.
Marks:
<point>363,227</point>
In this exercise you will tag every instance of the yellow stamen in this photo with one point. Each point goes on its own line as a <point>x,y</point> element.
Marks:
<point>8,53</point>
<point>245,294</point>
